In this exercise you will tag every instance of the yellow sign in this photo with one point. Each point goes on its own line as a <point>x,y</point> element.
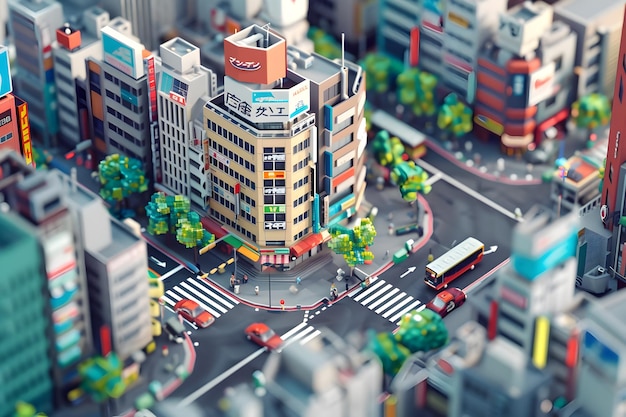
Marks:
<point>274,175</point>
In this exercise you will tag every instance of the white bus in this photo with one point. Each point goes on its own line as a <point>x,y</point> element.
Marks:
<point>454,263</point>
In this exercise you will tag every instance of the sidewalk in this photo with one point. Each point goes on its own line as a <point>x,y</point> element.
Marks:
<point>317,274</point>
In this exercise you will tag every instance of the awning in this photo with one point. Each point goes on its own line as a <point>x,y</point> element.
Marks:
<point>248,253</point>
<point>306,244</point>
<point>275,259</point>
<point>213,227</point>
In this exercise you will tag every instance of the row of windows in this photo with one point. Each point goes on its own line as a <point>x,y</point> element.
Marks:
<point>125,103</point>
<point>301,217</point>
<point>175,146</point>
<point>232,173</point>
<point>300,200</point>
<point>274,217</point>
<point>301,164</point>
<point>125,86</point>
<point>233,156</point>
<point>300,183</point>
<point>124,118</point>
<point>278,149</point>
<point>126,135</point>
<point>221,200</point>
<point>94,82</point>
<point>273,165</point>
<point>249,217</point>
<point>304,145</point>
<point>235,225</point>
<point>248,147</point>
<point>6,137</point>
<point>302,233</point>
<point>125,150</point>
<point>223,185</point>
<point>274,199</point>
<point>172,112</point>
<point>246,199</point>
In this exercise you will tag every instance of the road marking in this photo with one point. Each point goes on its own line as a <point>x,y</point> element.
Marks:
<point>405,310</point>
<point>376,294</point>
<point>462,187</point>
<point>214,297</point>
<point>226,296</point>
<point>298,336</point>
<point>201,304</point>
<point>203,297</point>
<point>175,296</point>
<point>383,298</point>
<point>369,290</point>
<point>167,300</point>
<point>433,179</point>
<point>292,331</point>
<point>218,379</point>
<point>310,337</point>
<point>398,306</point>
<point>172,272</point>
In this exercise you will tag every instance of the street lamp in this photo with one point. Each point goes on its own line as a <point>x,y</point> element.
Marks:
<point>269,281</point>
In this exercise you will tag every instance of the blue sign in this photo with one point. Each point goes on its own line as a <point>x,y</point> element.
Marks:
<point>266,97</point>
<point>118,54</point>
<point>6,86</point>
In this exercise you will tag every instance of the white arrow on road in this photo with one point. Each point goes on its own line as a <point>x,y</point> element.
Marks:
<point>408,271</point>
<point>160,263</point>
<point>491,250</point>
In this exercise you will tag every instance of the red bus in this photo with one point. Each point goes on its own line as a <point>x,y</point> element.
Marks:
<point>454,263</point>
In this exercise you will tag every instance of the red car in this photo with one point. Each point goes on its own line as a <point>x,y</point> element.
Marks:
<point>192,312</point>
<point>262,335</point>
<point>446,301</point>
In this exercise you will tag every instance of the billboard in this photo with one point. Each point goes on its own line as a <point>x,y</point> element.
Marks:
<point>541,84</point>
<point>267,106</point>
<point>6,86</point>
<point>122,52</point>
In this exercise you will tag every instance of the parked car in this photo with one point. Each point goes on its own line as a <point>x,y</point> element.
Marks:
<point>192,312</point>
<point>261,334</point>
<point>446,301</point>
<point>175,329</point>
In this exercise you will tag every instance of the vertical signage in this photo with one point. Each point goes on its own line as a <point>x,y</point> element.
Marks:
<point>149,65</point>
<point>24,130</point>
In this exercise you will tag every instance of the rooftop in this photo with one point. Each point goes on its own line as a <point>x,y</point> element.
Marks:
<point>35,6</point>
<point>586,10</point>
<point>180,46</point>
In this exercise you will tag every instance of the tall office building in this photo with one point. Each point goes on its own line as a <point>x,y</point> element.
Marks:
<point>184,85</point>
<point>613,203</point>
<point>73,46</point>
<point>126,82</point>
<point>116,264</point>
<point>398,30</point>
<point>150,19</point>
<point>33,24</point>
<point>598,26</point>
<point>26,370</point>
<point>38,197</point>
<point>262,147</point>
<point>469,23</point>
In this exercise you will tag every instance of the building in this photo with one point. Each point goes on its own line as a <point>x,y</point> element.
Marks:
<point>38,197</point>
<point>32,24</point>
<point>261,140</point>
<point>27,370</point>
<point>151,20</point>
<point>612,201</point>
<point>469,24</point>
<point>359,29</point>
<point>183,146</point>
<point>116,262</point>
<point>533,59</point>
<point>575,184</point>
<point>9,135</point>
<point>125,121</point>
<point>73,46</point>
<point>598,27</point>
<point>601,381</point>
<point>430,37</point>
<point>325,375</point>
<point>398,32</point>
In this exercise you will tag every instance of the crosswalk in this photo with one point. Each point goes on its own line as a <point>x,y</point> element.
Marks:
<point>302,333</point>
<point>386,300</point>
<point>211,299</point>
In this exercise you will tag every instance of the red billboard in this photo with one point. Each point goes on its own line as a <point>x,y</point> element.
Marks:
<point>8,124</point>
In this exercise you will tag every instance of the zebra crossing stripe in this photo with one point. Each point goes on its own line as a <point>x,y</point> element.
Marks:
<point>175,296</point>
<point>398,306</point>
<point>208,300</point>
<point>292,331</point>
<point>405,310</point>
<point>201,304</point>
<point>301,334</point>
<point>355,293</point>
<point>213,293</point>
<point>378,293</point>
<point>382,299</point>
<point>202,283</point>
<point>168,301</point>
<point>390,303</point>
<point>369,290</point>
<point>310,337</point>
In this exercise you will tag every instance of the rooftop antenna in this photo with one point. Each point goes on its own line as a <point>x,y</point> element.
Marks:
<point>343,37</point>
<point>267,34</point>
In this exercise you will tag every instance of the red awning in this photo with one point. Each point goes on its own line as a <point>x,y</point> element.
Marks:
<point>306,244</point>
<point>213,227</point>
<point>275,259</point>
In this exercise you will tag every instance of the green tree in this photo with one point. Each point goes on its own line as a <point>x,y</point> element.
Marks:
<point>411,180</point>
<point>23,409</point>
<point>191,233</point>
<point>158,212</point>
<point>454,116</point>
<point>353,243</point>
<point>120,177</point>
<point>417,89</point>
<point>391,353</point>
<point>381,71</point>
<point>102,377</point>
<point>591,111</point>
<point>421,331</point>
<point>387,151</point>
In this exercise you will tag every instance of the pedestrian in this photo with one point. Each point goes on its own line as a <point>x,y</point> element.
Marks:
<point>298,281</point>
<point>386,254</point>
<point>245,278</point>
<point>347,286</point>
<point>232,281</point>
<point>256,290</point>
